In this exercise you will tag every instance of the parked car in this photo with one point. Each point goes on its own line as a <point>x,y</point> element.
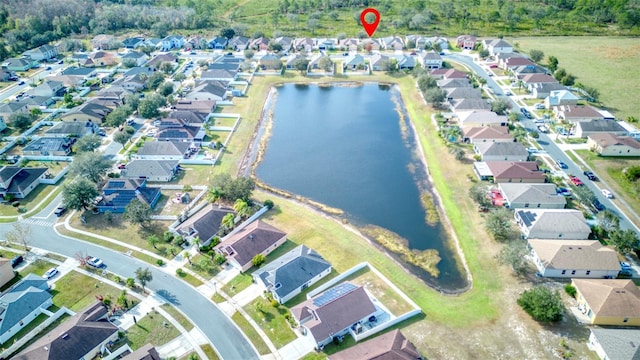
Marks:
<point>122,166</point>
<point>21,82</point>
<point>61,62</point>
<point>608,194</point>
<point>60,211</point>
<point>561,164</point>
<point>598,205</point>
<point>508,93</point>
<point>590,175</point>
<point>625,265</point>
<point>95,262</point>
<point>493,66</point>
<point>539,106</point>
<point>16,260</point>
<point>50,273</point>
<point>563,191</point>
<point>625,273</point>
<point>575,181</point>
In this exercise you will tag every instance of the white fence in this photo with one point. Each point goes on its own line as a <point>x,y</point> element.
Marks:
<point>47,158</point>
<point>57,178</point>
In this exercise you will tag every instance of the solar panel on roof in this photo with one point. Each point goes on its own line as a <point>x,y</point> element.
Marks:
<point>116,184</point>
<point>527,217</point>
<point>333,293</point>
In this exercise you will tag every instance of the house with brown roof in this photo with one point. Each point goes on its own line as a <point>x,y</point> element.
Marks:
<point>574,259</point>
<point>205,223</point>
<point>82,336</point>
<point>482,134</point>
<point>608,144</point>
<point>443,73</point>
<point>146,352</point>
<point>509,171</point>
<point>260,44</point>
<point>608,301</point>
<point>575,113</point>
<point>467,42</point>
<point>162,58</point>
<point>559,224</point>
<point>6,271</point>
<point>341,310</point>
<point>392,345</point>
<point>256,238</point>
<point>515,61</point>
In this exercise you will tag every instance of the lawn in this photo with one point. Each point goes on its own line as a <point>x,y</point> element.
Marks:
<point>211,354</point>
<point>153,328</point>
<point>183,320</point>
<point>584,56</point>
<point>77,291</point>
<point>250,333</point>
<point>223,121</point>
<point>194,175</point>
<point>272,321</point>
<point>169,204</point>
<point>237,284</point>
<point>34,197</point>
<point>204,266</point>
<point>190,279</point>
<point>38,267</point>
<point>379,289</point>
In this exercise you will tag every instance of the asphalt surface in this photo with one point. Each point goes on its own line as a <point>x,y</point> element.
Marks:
<point>216,326</point>
<point>547,143</point>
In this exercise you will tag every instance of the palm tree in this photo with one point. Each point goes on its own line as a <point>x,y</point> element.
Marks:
<point>242,208</point>
<point>228,222</point>
<point>153,241</point>
<point>214,195</point>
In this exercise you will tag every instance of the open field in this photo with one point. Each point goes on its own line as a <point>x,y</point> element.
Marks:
<point>610,64</point>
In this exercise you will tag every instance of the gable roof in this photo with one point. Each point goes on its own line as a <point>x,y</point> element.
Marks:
<point>502,149</point>
<point>253,239</point>
<point>334,310</point>
<point>575,254</point>
<point>481,116</point>
<point>563,95</point>
<point>610,297</point>
<point>515,170</point>
<point>378,59</point>
<point>538,78</point>
<point>188,117</point>
<point>449,73</point>
<point>149,168</point>
<point>600,125</point>
<point>619,344</point>
<point>487,132</point>
<point>577,111</point>
<point>390,346</point>
<point>21,178</point>
<point>21,300</point>
<point>171,148</point>
<point>466,92</point>
<point>89,108</point>
<point>606,139</point>
<point>453,83</point>
<point>555,220</point>
<point>498,43</point>
<point>470,104</point>
<point>531,193</point>
<point>292,270</point>
<point>74,338</point>
<point>202,106</point>
<point>206,222</point>
<point>146,352</point>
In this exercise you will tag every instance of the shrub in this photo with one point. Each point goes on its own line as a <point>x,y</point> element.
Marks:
<point>15,203</point>
<point>130,282</point>
<point>22,209</point>
<point>205,248</point>
<point>159,262</point>
<point>275,303</point>
<point>219,259</point>
<point>258,260</point>
<point>269,204</point>
<point>571,290</point>
<point>542,304</point>
<point>180,272</point>
<point>168,236</point>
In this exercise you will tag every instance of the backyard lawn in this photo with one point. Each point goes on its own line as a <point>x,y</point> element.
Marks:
<point>379,289</point>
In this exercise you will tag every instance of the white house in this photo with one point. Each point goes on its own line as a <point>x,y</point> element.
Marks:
<point>501,151</point>
<point>431,60</point>
<point>497,46</point>
<point>558,224</point>
<point>615,344</point>
<point>21,304</point>
<point>574,259</point>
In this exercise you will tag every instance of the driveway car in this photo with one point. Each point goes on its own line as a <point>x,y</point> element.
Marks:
<point>625,265</point>
<point>95,262</point>
<point>575,181</point>
<point>50,273</point>
<point>21,83</point>
<point>16,260</point>
<point>590,175</point>
<point>122,166</point>
<point>563,192</point>
<point>539,106</point>
<point>608,194</point>
<point>561,164</point>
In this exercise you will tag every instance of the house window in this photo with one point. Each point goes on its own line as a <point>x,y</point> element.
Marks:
<point>573,272</point>
<point>588,272</point>
<point>564,272</point>
<point>526,205</point>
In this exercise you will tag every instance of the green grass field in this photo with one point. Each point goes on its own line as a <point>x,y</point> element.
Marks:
<point>250,333</point>
<point>610,64</point>
<point>271,320</point>
<point>77,291</point>
<point>151,329</point>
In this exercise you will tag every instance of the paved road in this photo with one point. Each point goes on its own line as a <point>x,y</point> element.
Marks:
<point>220,331</point>
<point>548,145</point>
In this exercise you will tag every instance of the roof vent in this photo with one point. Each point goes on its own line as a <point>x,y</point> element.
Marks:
<point>66,335</point>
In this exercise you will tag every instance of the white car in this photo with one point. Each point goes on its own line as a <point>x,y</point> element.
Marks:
<point>539,106</point>
<point>95,262</point>
<point>50,273</point>
<point>607,194</point>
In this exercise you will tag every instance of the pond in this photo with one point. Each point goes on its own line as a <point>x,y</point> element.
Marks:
<point>351,147</point>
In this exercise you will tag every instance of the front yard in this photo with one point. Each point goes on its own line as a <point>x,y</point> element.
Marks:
<point>29,202</point>
<point>153,329</point>
<point>77,291</point>
<point>272,321</point>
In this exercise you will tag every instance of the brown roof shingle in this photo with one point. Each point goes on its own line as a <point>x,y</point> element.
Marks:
<point>390,346</point>
<point>250,241</point>
<point>610,297</point>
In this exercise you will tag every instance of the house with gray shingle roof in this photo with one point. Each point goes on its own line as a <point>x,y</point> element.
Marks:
<point>19,64</point>
<point>291,273</point>
<point>136,57</point>
<point>558,224</point>
<point>541,90</point>
<point>49,88</point>
<point>619,344</point>
<point>501,151</point>
<point>466,92</point>
<point>163,150</point>
<point>18,182</point>
<point>497,46</point>
<point>49,146</point>
<point>256,238</point>
<point>208,90</point>
<point>453,83</point>
<point>88,111</point>
<point>22,304</point>
<point>431,60</point>
<point>44,52</point>
<point>574,259</point>
<point>378,62</point>
<point>68,128</point>
<point>526,195</point>
<point>585,129</point>
<point>152,170</point>
<point>205,223</point>
<point>354,62</point>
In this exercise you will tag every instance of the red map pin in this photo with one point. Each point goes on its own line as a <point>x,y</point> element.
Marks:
<point>370,28</point>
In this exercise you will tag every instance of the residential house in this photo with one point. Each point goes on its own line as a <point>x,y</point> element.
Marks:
<point>481,118</point>
<point>186,133</point>
<point>290,61</point>
<point>200,42</point>
<point>419,41</point>
<point>114,92</point>
<point>612,302</point>
<point>85,335</point>
<point>79,57</point>
<point>561,224</point>
<point>199,106</point>
<point>103,42</point>
<point>172,42</point>
<point>118,193</point>
<point>131,83</point>
<point>393,345</point>
<point>574,259</point>
<point>292,273</point>
<point>157,60</point>
<point>314,63</point>
<point>436,42</point>
<point>509,171</point>
<point>406,62</point>
<point>208,90</point>
<point>608,144</point>
<point>218,42</point>
<point>49,146</point>
<point>349,44</point>
<point>453,83</point>
<point>270,62</point>
<point>520,72</point>
<point>502,58</point>
<point>239,43</point>
<point>85,73</point>
<point>49,88</point>
<point>256,238</point>
<point>443,73</point>
<point>326,44</point>
<point>153,42</point>
<point>3,125</point>
<point>19,64</point>
<point>560,97</point>
<point>303,44</point>
<point>260,44</point>
<point>164,150</point>
<point>501,151</point>
<point>284,41</point>
<point>430,60</point>
<point>466,92</point>
<point>68,81</point>
<point>353,63</point>
<point>76,129</point>
<point>340,310</point>
<point>133,42</point>
<point>134,57</point>
<point>42,53</point>
<point>469,105</point>
<point>575,113</point>
<point>543,90</point>
<point>484,134</point>
<point>466,42</point>
<point>6,109</point>
<point>151,170</point>
<point>5,75</point>
<point>6,271</point>
<point>21,304</point>
<point>497,46</point>
<point>146,352</point>
<point>102,58</point>
<point>529,79</point>
<point>392,43</point>
<point>35,102</point>
<point>205,223</point>
<point>611,343</point>
<point>515,61</point>
<point>17,182</point>
<point>88,111</point>
<point>585,129</point>
<point>527,195</point>
<point>379,62</point>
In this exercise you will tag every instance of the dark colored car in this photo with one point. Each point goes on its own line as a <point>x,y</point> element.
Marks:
<point>60,211</point>
<point>598,205</point>
<point>590,175</point>
<point>561,164</point>
<point>16,260</point>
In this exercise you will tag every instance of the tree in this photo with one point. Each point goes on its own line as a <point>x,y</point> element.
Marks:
<point>500,105</point>
<point>426,82</point>
<point>301,64</point>
<point>148,109</point>
<point>144,276</point>
<point>585,194</point>
<point>269,204</point>
<point>484,53</point>
<point>228,33</point>
<point>21,120</point>
<point>325,63</point>
<point>228,222</point>
<point>513,254</point>
<point>536,55</point>
<point>248,54</point>
<point>166,67</point>
<point>499,225</point>
<point>542,304</point>
<point>155,80</point>
<point>258,260</point>
<point>552,63</point>
<point>153,240</point>
<point>179,76</point>
<point>242,208</point>
<point>121,137</point>
<point>88,143</point>
<point>632,173</point>
<point>608,221</point>
<point>119,115</point>
<point>166,88</point>
<point>593,93</point>
<point>132,101</point>
<point>219,259</point>
<point>35,112</point>
<point>312,24</point>
<point>624,240</point>
<point>214,195</point>
<point>478,193</point>
<point>20,234</point>
<point>137,213</point>
<point>90,165</point>
<point>435,96</point>
<point>233,189</point>
<point>275,47</point>
<point>79,194</point>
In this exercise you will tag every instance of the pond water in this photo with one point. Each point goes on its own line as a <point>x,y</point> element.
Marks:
<point>349,148</point>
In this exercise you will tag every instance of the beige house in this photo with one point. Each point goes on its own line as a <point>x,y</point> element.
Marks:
<point>574,259</point>
<point>6,271</point>
<point>608,144</point>
<point>255,238</point>
<point>608,301</point>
